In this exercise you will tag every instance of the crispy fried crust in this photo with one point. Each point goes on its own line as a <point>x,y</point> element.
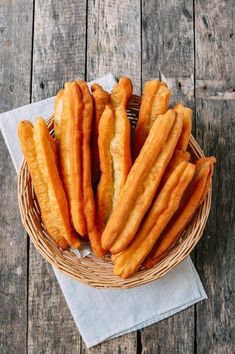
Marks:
<point>94,237</point>
<point>176,159</point>
<point>37,147</point>
<point>200,165</point>
<point>115,157</point>
<point>143,125</point>
<point>58,111</point>
<point>120,145</point>
<point>142,182</point>
<point>164,207</point>
<point>121,92</point>
<point>155,100</point>
<point>71,154</point>
<point>192,198</point>
<point>100,99</point>
<point>87,113</point>
<point>160,102</point>
<point>104,196</point>
<point>105,189</point>
<point>187,126</point>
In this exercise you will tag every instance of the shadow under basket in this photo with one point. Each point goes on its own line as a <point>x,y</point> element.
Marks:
<point>92,270</point>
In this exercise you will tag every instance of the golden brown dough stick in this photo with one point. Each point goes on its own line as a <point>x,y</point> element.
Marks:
<point>143,126</point>
<point>87,113</point>
<point>58,111</point>
<point>120,145</point>
<point>187,126</point>
<point>142,182</point>
<point>155,100</point>
<point>121,92</point>
<point>100,99</point>
<point>115,159</point>
<point>176,159</point>
<point>160,102</point>
<point>164,207</point>
<point>71,154</point>
<point>192,199</point>
<point>104,196</point>
<point>37,147</point>
<point>105,189</point>
<point>200,164</point>
<point>95,240</point>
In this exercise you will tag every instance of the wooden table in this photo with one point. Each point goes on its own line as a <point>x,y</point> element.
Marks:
<point>189,44</point>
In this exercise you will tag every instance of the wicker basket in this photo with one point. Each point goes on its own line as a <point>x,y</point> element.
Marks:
<point>91,270</point>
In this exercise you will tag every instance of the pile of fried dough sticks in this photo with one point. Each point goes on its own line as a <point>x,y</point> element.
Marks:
<point>92,185</point>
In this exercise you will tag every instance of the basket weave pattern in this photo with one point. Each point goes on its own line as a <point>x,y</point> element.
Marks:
<point>95,271</point>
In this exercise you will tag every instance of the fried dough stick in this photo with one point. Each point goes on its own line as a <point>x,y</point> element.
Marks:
<point>106,186</point>
<point>115,157</point>
<point>58,111</point>
<point>87,113</point>
<point>39,151</point>
<point>176,159</point>
<point>142,182</point>
<point>192,199</point>
<point>187,126</point>
<point>120,146</point>
<point>154,101</point>
<point>70,147</point>
<point>100,99</point>
<point>104,196</point>
<point>163,208</point>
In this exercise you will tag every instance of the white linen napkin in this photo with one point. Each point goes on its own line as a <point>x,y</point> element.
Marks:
<point>101,314</point>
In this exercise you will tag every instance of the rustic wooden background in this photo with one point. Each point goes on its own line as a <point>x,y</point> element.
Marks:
<point>191,45</point>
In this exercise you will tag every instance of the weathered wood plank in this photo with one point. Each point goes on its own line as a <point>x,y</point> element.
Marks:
<point>113,45</point>
<point>15,53</point>
<point>13,262</point>
<point>58,56</point>
<point>168,49</point>
<point>215,98</point>
<point>126,344</point>
<point>167,46</point>
<point>59,45</point>
<point>172,335</point>
<point>15,64</point>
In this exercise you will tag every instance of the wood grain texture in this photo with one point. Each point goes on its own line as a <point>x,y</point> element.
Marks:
<point>58,56</point>
<point>13,262</point>
<point>167,46</point>
<point>15,53</point>
<point>168,49</point>
<point>15,63</point>
<point>59,45</point>
<point>173,335</point>
<point>114,44</point>
<point>126,344</point>
<point>215,105</point>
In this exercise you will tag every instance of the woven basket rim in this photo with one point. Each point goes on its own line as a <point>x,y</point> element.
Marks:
<point>91,270</point>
